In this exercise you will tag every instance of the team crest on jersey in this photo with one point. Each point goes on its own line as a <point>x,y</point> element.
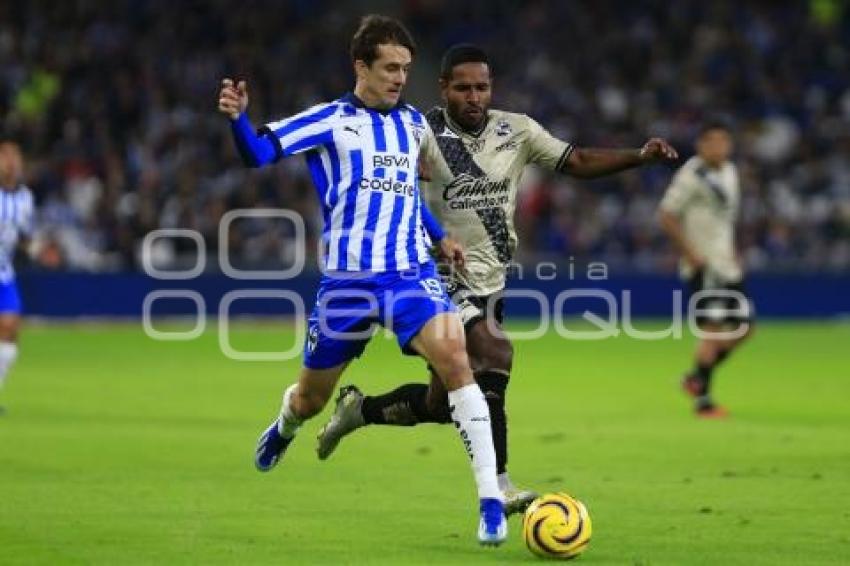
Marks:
<point>503,128</point>
<point>417,133</point>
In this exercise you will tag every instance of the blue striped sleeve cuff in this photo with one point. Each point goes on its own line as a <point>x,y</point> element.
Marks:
<point>255,151</point>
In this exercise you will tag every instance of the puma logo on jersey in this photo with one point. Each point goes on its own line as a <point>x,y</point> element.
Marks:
<point>352,129</point>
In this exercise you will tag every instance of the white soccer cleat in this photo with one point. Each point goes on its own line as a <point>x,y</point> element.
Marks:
<point>346,418</point>
<point>517,500</point>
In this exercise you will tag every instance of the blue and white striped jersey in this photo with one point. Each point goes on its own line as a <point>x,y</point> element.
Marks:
<point>364,166</point>
<point>16,217</point>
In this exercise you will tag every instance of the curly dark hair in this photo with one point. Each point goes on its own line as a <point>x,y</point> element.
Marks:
<point>459,54</point>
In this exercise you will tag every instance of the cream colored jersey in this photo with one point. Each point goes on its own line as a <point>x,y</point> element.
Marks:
<point>473,186</point>
<point>706,200</point>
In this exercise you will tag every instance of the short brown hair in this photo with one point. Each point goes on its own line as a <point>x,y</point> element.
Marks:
<point>378,30</point>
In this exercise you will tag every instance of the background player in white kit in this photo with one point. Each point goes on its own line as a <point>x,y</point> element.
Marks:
<point>698,213</point>
<point>16,221</point>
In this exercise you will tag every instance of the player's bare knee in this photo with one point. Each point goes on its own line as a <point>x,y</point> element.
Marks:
<point>453,367</point>
<point>457,366</point>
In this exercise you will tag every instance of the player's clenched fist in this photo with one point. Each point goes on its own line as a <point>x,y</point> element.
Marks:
<point>233,98</point>
<point>657,149</point>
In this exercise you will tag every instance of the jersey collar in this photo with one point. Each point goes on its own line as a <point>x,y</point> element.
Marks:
<point>458,129</point>
<point>355,101</point>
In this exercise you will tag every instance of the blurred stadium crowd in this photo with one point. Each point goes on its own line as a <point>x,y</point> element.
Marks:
<point>114,104</point>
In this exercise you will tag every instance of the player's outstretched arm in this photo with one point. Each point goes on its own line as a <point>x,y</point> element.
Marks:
<point>591,162</point>
<point>233,102</point>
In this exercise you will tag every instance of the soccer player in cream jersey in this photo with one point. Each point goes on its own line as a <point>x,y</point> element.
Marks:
<point>16,221</point>
<point>698,213</point>
<point>475,162</point>
<point>362,151</point>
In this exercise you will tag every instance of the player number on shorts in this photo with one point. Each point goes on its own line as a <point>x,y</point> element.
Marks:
<point>432,287</point>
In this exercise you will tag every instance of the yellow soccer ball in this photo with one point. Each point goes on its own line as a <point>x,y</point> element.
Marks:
<point>556,525</point>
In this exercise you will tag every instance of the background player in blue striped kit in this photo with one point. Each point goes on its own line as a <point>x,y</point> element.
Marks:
<point>16,220</point>
<point>362,152</point>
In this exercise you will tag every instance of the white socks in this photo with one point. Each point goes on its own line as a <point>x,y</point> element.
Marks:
<point>8,354</point>
<point>472,418</point>
<point>289,423</point>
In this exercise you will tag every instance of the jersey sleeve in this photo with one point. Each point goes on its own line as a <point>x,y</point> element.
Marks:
<point>428,150</point>
<point>678,194</point>
<point>428,154</point>
<point>302,132</point>
<point>256,150</point>
<point>430,223</point>
<point>546,150</point>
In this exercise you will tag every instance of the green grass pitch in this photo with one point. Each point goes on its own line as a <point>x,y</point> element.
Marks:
<point>117,449</point>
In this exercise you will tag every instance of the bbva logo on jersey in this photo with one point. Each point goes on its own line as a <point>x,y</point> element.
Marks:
<point>390,160</point>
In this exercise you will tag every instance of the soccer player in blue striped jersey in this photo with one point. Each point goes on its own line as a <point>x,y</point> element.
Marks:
<point>16,220</point>
<point>362,152</point>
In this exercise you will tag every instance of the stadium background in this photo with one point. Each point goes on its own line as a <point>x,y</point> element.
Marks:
<point>119,449</point>
<point>114,105</point>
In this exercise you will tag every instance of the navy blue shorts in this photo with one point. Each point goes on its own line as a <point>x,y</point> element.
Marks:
<point>348,308</point>
<point>10,300</point>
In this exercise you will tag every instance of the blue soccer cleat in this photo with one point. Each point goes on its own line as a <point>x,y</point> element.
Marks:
<point>493,527</point>
<point>270,447</point>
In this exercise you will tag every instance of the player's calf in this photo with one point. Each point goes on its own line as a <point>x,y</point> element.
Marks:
<point>492,355</point>
<point>306,404</point>
<point>467,407</point>
<point>437,400</point>
<point>277,437</point>
<point>301,401</point>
